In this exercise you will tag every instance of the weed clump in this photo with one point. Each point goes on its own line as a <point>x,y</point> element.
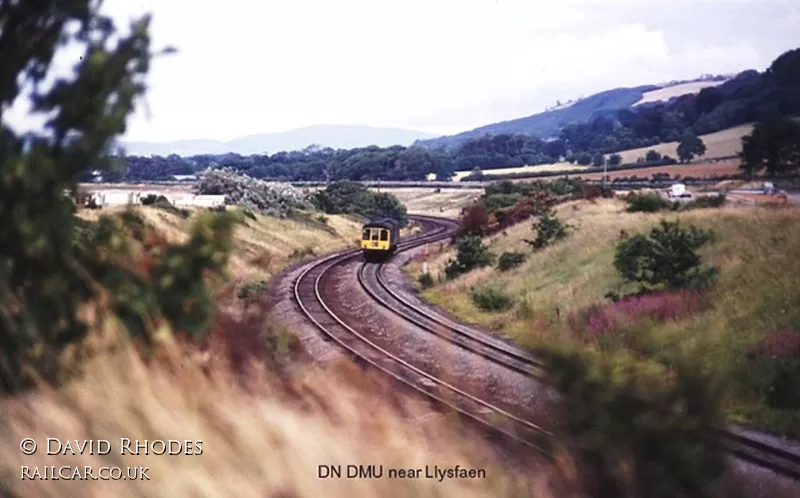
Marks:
<point>510,260</point>
<point>648,203</point>
<point>425,280</point>
<point>490,299</point>
<point>472,254</point>
<point>252,289</point>
<point>548,230</point>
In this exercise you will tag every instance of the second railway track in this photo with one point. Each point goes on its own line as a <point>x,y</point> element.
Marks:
<point>372,279</point>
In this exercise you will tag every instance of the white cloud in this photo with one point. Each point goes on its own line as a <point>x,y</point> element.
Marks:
<point>436,65</point>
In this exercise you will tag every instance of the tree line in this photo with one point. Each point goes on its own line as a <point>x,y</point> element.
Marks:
<point>749,97</point>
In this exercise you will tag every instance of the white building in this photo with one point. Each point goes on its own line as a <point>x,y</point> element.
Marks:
<point>125,197</point>
<point>678,190</point>
<point>114,198</point>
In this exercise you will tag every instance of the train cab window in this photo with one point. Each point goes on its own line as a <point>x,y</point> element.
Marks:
<point>375,234</point>
<point>384,235</point>
<point>365,234</point>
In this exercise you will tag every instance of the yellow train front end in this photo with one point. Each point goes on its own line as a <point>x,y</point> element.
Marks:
<point>379,239</point>
<point>375,239</point>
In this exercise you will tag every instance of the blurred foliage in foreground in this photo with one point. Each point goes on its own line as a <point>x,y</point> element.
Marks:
<point>51,267</point>
<point>641,427</point>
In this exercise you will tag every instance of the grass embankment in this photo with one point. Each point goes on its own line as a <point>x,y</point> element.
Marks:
<point>263,433</point>
<point>757,292</point>
<point>263,244</point>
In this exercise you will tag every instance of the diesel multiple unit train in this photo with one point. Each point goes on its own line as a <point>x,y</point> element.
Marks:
<point>379,239</point>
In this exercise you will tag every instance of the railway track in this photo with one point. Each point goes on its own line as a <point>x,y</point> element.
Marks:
<point>308,295</point>
<point>372,279</point>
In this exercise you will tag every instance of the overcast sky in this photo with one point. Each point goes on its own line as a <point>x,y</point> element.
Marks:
<point>441,66</point>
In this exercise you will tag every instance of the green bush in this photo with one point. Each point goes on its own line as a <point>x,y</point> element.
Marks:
<point>647,203</point>
<point>509,260</point>
<point>425,280</point>
<point>707,201</point>
<point>490,299</point>
<point>472,253</point>
<point>345,197</point>
<point>494,202</point>
<point>641,428</point>
<point>548,230</point>
<point>652,156</point>
<point>150,199</point>
<point>665,258</point>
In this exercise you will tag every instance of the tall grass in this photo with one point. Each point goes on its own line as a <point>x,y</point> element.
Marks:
<point>262,434</point>
<point>267,419</point>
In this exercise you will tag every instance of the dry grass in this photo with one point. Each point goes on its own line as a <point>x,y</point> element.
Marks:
<point>664,94</point>
<point>696,170</point>
<point>577,271</point>
<point>723,143</point>
<point>758,253</point>
<point>446,203</point>
<point>762,199</point>
<point>265,438</point>
<point>261,246</point>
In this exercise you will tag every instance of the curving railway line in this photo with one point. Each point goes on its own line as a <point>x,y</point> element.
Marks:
<point>310,300</point>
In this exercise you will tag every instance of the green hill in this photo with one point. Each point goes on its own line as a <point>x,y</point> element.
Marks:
<point>548,124</point>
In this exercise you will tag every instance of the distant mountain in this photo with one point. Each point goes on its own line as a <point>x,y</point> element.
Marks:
<point>334,136</point>
<point>547,124</point>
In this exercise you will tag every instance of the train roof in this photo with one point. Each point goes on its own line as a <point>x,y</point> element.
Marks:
<point>382,223</point>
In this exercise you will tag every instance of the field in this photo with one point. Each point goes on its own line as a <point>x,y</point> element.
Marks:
<point>696,170</point>
<point>676,91</point>
<point>447,202</point>
<point>723,143</point>
<point>263,433</point>
<point>756,293</point>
